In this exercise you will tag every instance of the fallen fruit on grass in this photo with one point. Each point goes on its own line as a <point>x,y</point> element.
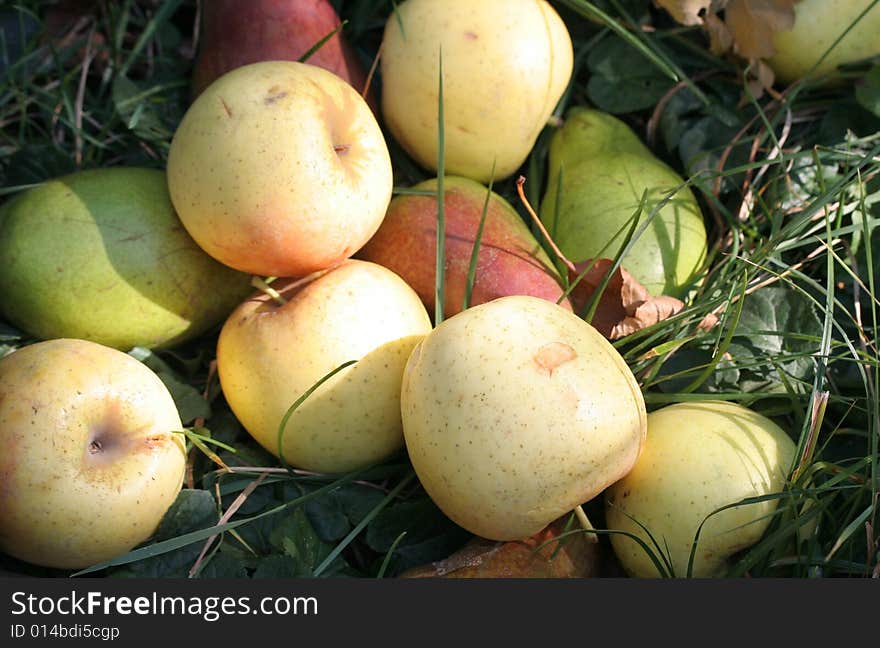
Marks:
<point>558,551</point>
<point>598,173</point>
<point>269,354</point>
<point>280,169</point>
<point>91,460</point>
<point>101,255</point>
<point>817,25</point>
<point>506,64</point>
<point>235,33</point>
<point>510,260</point>
<point>699,457</point>
<point>517,411</point>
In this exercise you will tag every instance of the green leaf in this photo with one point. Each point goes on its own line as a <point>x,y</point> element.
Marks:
<point>137,112</point>
<point>620,80</point>
<point>296,539</point>
<point>192,510</point>
<point>430,535</point>
<point>190,403</point>
<point>678,115</point>
<point>868,91</point>
<point>334,514</point>
<point>35,163</point>
<point>223,565</point>
<point>276,566</point>
<point>781,325</point>
<point>701,146</point>
<point>683,366</point>
<point>848,114</point>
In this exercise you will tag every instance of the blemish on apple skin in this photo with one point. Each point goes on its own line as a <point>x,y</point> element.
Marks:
<point>226,107</point>
<point>155,441</point>
<point>553,355</point>
<point>471,35</point>
<point>275,94</point>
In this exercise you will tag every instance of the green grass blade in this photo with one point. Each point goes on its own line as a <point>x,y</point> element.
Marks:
<point>440,269</point>
<point>475,253</point>
<point>314,48</point>
<point>299,401</point>
<point>172,544</point>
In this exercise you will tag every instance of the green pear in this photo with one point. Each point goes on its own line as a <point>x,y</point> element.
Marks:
<point>101,255</point>
<point>598,172</point>
<point>817,26</point>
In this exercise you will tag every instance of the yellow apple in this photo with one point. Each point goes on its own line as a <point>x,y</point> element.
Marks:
<point>506,64</point>
<point>269,354</point>
<point>515,412</point>
<point>90,461</point>
<point>818,24</point>
<point>699,457</point>
<point>280,168</point>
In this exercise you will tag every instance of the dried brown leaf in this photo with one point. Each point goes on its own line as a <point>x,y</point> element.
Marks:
<point>708,322</point>
<point>573,556</point>
<point>625,306</point>
<point>759,78</point>
<point>687,12</point>
<point>753,23</point>
<point>720,38</point>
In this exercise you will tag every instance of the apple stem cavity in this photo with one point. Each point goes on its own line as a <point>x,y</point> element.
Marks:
<point>263,284</point>
<point>585,523</point>
<point>537,221</point>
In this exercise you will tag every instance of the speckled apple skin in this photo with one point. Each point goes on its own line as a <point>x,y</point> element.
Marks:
<point>506,64</point>
<point>515,412</point>
<point>280,169</point>
<point>699,457</point>
<point>818,23</point>
<point>269,355</point>
<point>65,502</point>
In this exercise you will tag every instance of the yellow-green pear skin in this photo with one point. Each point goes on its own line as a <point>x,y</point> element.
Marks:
<point>598,173</point>
<point>817,25</point>
<point>516,411</point>
<point>101,255</point>
<point>506,64</point>
<point>269,355</point>
<point>699,457</point>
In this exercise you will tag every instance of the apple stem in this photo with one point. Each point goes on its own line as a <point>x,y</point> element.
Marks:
<point>522,196</point>
<point>262,284</point>
<point>586,525</point>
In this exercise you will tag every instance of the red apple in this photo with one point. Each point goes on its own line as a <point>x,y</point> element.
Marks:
<point>510,260</point>
<point>235,33</point>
